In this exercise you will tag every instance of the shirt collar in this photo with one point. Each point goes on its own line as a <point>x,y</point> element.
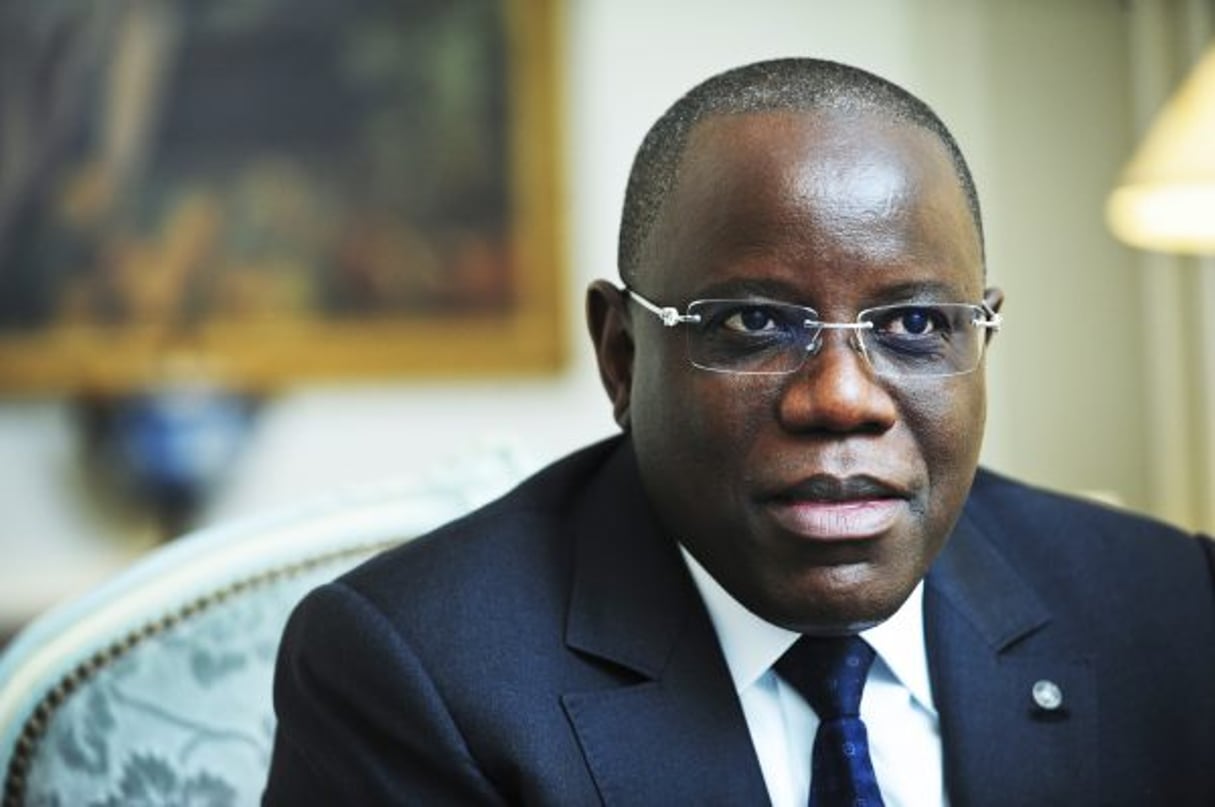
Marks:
<point>752,645</point>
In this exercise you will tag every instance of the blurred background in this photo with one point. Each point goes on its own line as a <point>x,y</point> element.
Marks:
<point>256,250</point>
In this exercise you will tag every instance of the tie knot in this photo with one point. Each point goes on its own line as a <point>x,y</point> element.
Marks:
<point>829,672</point>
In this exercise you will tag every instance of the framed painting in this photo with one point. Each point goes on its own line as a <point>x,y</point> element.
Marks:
<point>261,192</point>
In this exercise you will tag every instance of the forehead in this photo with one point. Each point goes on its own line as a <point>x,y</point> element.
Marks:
<point>850,193</point>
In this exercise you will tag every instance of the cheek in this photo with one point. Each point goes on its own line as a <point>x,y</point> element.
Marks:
<point>693,427</point>
<point>729,413</point>
<point>947,424</point>
<point>668,407</point>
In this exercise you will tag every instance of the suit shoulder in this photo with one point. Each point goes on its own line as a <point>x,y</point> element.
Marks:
<point>1060,525</point>
<point>517,542</point>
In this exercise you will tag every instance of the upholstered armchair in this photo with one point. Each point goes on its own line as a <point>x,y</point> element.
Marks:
<point>156,687</point>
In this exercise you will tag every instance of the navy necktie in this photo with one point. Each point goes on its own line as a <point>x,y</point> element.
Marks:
<point>830,673</point>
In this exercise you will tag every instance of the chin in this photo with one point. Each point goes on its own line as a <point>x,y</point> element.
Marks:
<point>839,611</point>
<point>841,624</point>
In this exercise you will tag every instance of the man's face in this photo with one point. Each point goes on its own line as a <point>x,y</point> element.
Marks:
<point>817,499</point>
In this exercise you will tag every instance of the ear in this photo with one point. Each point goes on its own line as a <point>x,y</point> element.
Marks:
<point>994,297</point>
<point>607,318</point>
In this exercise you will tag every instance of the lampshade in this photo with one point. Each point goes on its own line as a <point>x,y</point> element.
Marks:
<point>1166,198</point>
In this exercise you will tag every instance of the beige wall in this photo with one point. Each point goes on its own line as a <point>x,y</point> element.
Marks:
<point>1038,92</point>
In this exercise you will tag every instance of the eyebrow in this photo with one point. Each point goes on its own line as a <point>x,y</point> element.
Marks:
<point>748,288</point>
<point>779,290</point>
<point>934,290</point>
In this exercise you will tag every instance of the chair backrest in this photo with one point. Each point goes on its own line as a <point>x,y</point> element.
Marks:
<point>156,687</point>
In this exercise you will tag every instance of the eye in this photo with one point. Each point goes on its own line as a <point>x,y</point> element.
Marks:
<point>913,321</point>
<point>751,319</point>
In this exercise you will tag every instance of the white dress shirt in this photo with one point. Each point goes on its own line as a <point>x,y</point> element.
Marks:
<point>897,706</point>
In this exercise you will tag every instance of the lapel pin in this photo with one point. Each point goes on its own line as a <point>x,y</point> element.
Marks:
<point>1047,695</point>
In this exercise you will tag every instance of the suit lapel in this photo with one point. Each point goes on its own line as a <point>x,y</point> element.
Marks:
<point>990,640</point>
<point>676,735</point>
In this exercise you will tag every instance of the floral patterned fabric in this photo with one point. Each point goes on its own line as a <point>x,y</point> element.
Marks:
<point>184,718</point>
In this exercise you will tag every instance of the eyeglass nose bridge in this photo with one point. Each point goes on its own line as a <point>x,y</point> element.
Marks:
<point>815,344</point>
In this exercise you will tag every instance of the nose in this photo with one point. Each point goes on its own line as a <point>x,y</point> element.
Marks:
<point>836,391</point>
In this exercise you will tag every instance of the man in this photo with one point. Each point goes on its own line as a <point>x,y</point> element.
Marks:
<point>795,362</point>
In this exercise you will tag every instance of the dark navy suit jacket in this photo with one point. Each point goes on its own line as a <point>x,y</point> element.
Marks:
<point>551,648</point>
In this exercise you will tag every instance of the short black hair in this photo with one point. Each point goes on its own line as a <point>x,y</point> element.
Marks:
<point>796,84</point>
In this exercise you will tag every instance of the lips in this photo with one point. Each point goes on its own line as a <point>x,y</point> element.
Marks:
<point>828,508</point>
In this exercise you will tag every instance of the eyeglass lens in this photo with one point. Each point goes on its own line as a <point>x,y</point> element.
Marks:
<point>916,341</point>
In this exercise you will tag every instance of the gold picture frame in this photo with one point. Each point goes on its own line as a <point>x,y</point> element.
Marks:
<point>263,192</point>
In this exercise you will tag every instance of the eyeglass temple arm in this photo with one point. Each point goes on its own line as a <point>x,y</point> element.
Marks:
<point>992,319</point>
<point>670,317</point>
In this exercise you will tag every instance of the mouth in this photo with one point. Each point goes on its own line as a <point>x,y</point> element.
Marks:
<point>831,509</point>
